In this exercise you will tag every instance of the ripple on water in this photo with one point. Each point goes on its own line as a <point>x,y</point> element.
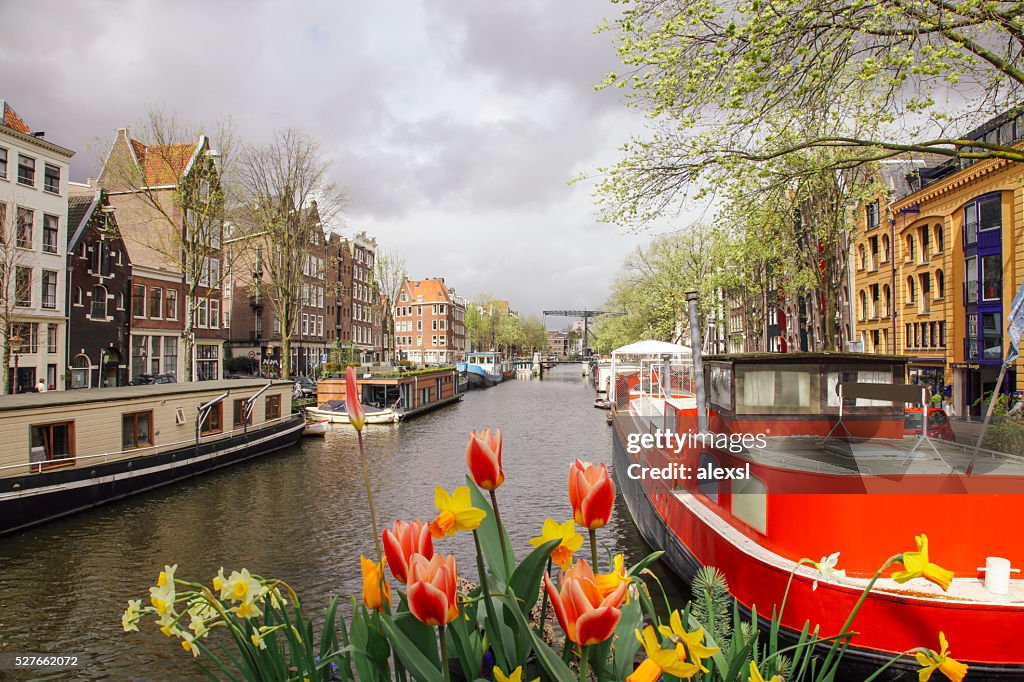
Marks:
<point>299,515</point>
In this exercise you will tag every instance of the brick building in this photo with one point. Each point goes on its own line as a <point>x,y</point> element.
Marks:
<point>429,322</point>
<point>358,317</point>
<point>99,275</point>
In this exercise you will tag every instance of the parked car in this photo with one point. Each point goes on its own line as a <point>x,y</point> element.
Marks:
<point>146,379</point>
<point>938,423</point>
<point>305,387</point>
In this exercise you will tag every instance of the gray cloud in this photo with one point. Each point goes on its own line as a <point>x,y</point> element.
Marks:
<point>455,125</point>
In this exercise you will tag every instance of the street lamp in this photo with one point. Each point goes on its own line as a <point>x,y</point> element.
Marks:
<point>14,343</point>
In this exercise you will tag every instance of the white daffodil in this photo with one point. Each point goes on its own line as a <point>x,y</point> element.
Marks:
<point>241,587</point>
<point>827,570</point>
<point>200,612</point>
<point>130,617</point>
<point>188,643</point>
<point>162,596</point>
<point>248,609</point>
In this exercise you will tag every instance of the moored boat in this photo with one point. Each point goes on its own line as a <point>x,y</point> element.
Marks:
<point>392,396</point>
<point>482,369</point>
<point>316,428</point>
<point>336,412</point>
<point>819,471</point>
<point>70,450</point>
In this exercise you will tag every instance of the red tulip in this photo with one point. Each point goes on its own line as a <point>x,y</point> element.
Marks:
<point>401,542</point>
<point>431,589</point>
<point>585,616</point>
<point>483,457</point>
<point>591,493</point>
<point>356,416</point>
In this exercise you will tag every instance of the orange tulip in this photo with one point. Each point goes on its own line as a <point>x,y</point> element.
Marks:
<point>401,542</point>
<point>353,407</point>
<point>372,581</point>
<point>591,493</point>
<point>431,589</point>
<point>585,617</point>
<point>483,457</point>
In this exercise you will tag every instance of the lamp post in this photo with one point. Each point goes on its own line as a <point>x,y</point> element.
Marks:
<point>14,342</point>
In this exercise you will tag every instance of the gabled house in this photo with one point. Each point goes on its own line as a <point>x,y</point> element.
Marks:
<point>170,214</point>
<point>99,290</point>
<point>429,321</point>
<point>33,239</point>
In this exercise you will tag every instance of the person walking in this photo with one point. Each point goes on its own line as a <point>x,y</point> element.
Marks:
<point>41,386</point>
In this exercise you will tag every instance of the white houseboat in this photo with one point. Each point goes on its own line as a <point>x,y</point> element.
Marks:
<point>70,450</point>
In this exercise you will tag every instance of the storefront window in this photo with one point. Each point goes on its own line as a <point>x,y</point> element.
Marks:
<point>171,355</point>
<point>207,363</point>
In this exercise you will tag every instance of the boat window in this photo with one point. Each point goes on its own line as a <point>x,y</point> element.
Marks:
<point>52,444</point>
<point>708,487</point>
<point>239,411</point>
<point>273,407</point>
<point>862,377</point>
<point>750,503</point>
<point>137,430</point>
<point>214,420</point>
<point>785,391</point>
<point>721,386</point>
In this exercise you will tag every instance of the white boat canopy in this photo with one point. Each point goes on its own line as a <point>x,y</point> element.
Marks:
<point>651,347</point>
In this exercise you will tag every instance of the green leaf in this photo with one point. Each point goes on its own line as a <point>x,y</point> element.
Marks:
<point>417,664</point>
<point>419,634</point>
<point>491,536</point>
<point>526,579</point>
<point>549,660</point>
<point>626,644</point>
<point>639,566</point>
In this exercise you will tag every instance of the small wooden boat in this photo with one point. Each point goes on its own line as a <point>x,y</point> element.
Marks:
<point>335,412</point>
<point>602,404</point>
<point>316,427</point>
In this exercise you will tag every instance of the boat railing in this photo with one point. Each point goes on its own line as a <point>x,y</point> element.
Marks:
<point>39,467</point>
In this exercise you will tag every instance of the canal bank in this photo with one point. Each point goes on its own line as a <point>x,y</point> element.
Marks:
<point>298,515</point>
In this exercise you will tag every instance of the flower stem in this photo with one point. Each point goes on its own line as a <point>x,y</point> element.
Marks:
<point>501,532</point>
<point>584,676</point>
<point>593,549</point>
<point>444,653</point>
<point>544,602</point>
<point>369,498</point>
<point>486,596</point>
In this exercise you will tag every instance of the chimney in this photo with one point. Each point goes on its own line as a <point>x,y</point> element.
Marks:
<point>39,134</point>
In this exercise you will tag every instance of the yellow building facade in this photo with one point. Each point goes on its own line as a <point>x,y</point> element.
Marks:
<point>937,271</point>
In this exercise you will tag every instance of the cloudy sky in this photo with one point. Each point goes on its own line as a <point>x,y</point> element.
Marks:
<point>454,124</point>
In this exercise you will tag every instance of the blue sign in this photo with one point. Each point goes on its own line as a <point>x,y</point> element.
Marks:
<point>1015,328</point>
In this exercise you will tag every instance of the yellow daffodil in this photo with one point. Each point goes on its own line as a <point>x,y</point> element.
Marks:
<point>241,586</point>
<point>248,609</point>
<point>695,649</point>
<point>755,675</point>
<point>130,617</point>
<point>374,585</point>
<point>918,566</point>
<point>670,660</point>
<point>162,596</point>
<point>609,582</point>
<point>566,532</point>
<point>516,676</point>
<point>257,640</point>
<point>827,570</point>
<point>931,661</point>
<point>455,512</point>
<point>188,643</point>
<point>218,582</point>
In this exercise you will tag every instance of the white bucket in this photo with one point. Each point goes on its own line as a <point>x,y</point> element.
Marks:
<point>997,574</point>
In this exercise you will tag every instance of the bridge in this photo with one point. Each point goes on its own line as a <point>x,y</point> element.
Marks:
<point>585,315</point>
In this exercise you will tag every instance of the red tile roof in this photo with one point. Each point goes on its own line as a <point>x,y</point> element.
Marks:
<point>432,290</point>
<point>12,120</point>
<point>163,164</point>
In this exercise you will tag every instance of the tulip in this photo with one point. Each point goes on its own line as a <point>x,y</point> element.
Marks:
<point>571,541</point>
<point>918,566</point>
<point>931,661</point>
<point>455,512</point>
<point>356,416</point>
<point>376,591</point>
<point>585,617</point>
<point>401,542</point>
<point>483,458</point>
<point>591,493</point>
<point>670,660</point>
<point>431,589</point>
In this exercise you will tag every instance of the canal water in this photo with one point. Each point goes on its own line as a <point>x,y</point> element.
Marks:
<point>298,515</point>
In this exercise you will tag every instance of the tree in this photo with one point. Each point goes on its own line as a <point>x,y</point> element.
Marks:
<point>391,273</point>
<point>15,285</point>
<point>171,191</point>
<point>287,196</point>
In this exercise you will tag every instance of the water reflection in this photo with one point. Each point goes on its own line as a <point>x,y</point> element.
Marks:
<point>299,515</point>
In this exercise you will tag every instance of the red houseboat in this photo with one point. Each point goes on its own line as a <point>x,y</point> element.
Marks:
<point>828,471</point>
